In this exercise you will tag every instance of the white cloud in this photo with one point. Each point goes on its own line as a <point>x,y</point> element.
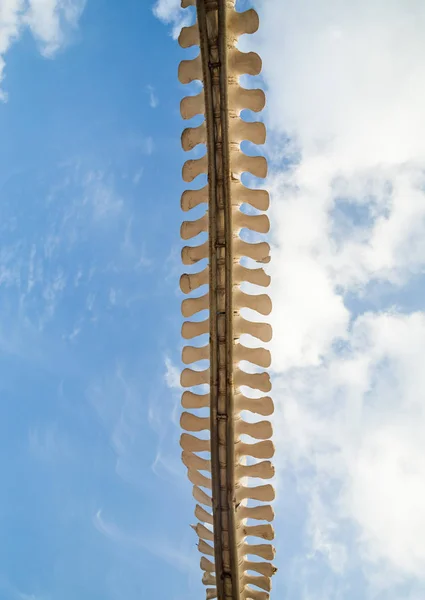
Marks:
<point>346,90</point>
<point>153,98</point>
<point>172,374</point>
<point>49,21</point>
<point>170,12</point>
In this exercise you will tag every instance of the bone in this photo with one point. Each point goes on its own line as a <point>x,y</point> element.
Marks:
<point>191,70</point>
<point>198,479</point>
<point>191,306</point>
<point>262,430</point>
<point>240,23</point>
<point>259,252</point>
<point>193,136</point>
<point>258,199</point>
<point>194,444</point>
<point>258,513</point>
<point>266,551</point>
<point>190,378</point>
<point>193,168</point>
<point>208,579</point>
<point>261,470</point>
<point>249,594</point>
<point>191,400</point>
<point>202,532</point>
<point>263,449</point>
<point>255,276</point>
<point>257,356</point>
<point>241,99</point>
<point>257,381</point>
<point>191,354</point>
<point>193,254</point>
<point>190,422</point>
<point>242,63</point>
<point>265,532</point>
<point>192,329</point>
<point>191,106</point>
<point>190,229</point>
<point>262,331</point>
<point>192,198</point>
<point>193,281</point>
<point>262,493</point>
<point>242,163</point>
<point>260,406</point>
<point>258,223</point>
<point>193,461</point>
<point>205,548</point>
<point>207,565</point>
<point>203,515</point>
<point>259,580</point>
<point>189,36</point>
<point>261,303</point>
<point>264,568</point>
<point>202,497</point>
<point>241,130</point>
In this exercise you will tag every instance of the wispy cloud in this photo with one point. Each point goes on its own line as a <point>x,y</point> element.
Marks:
<point>171,13</point>
<point>153,99</point>
<point>178,556</point>
<point>49,21</point>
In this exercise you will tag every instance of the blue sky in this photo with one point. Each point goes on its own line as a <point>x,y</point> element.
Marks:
<point>94,502</point>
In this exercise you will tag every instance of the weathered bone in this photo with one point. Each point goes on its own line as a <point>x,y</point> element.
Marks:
<point>193,254</point>
<point>193,461</point>
<point>255,276</point>
<point>258,356</point>
<point>192,198</point>
<point>264,568</point>
<point>203,515</point>
<point>263,449</point>
<point>243,22</point>
<point>259,252</point>
<point>190,70</point>
<point>191,106</point>
<point>261,430</point>
<point>190,378</point>
<point>202,497</point>
<point>259,513</point>
<point>258,223</point>
<point>191,329</point>
<point>191,422</point>
<point>260,581</point>
<point>191,400</point>
<point>219,65</point>
<point>198,479</point>
<point>191,229</point>
<point>260,406</point>
<point>191,306</point>
<point>262,331</point>
<point>202,532</point>
<point>189,36</point>
<point>263,493</point>
<point>262,470</point>
<point>191,443</point>
<point>259,302</point>
<point>192,281</point>
<point>266,532</point>
<point>259,381</point>
<point>193,168</point>
<point>266,551</point>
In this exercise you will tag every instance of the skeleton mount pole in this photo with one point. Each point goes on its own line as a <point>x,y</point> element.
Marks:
<point>229,510</point>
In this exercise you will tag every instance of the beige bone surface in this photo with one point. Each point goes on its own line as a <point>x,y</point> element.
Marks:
<point>221,463</point>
